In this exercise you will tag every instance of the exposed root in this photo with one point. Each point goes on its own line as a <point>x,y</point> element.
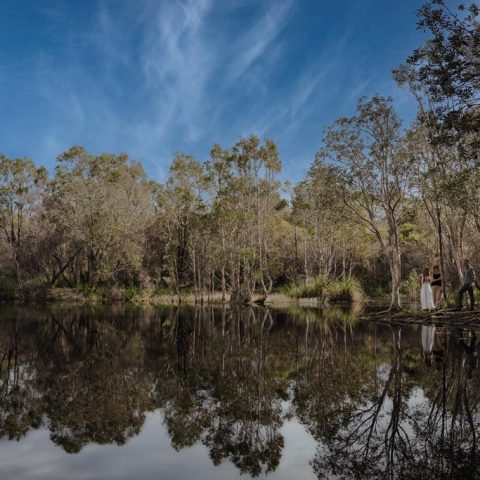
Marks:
<point>447,317</point>
<point>388,311</point>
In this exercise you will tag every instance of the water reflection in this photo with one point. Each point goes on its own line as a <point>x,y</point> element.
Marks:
<point>378,401</point>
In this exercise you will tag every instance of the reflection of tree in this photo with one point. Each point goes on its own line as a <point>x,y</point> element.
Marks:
<point>248,395</point>
<point>85,376</point>
<point>229,378</point>
<point>447,427</point>
<point>340,399</point>
<point>383,429</point>
<point>20,405</point>
<point>95,390</point>
<point>224,387</point>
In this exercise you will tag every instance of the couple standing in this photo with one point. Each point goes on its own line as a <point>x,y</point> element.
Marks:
<point>431,290</point>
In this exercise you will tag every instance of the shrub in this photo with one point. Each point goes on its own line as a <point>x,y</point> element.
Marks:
<point>8,288</point>
<point>411,286</point>
<point>312,289</point>
<point>348,290</point>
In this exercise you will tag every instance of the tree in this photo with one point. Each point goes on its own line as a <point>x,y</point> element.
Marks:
<point>245,197</point>
<point>100,207</point>
<point>20,184</point>
<point>180,207</point>
<point>447,67</point>
<point>331,246</point>
<point>443,77</point>
<point>368,150</point>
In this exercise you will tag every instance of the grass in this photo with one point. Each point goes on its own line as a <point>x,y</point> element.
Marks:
<point>316,288</point>
<point>347,290</point>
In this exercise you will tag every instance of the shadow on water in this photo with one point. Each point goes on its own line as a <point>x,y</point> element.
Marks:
<point>374,403</point>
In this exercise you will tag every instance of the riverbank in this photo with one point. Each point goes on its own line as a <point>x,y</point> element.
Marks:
<point>143,297</point>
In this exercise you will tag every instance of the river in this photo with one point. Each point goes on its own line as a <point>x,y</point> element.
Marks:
<point>120,392</point>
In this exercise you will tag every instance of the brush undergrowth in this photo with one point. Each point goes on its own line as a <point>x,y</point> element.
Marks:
<point>347,290</point>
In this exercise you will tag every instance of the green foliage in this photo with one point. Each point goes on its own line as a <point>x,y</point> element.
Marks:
<point>445,70</point>
<point>8,287</point>
<point>130,292</point>
<point>411,286</point>
<point>347,290</point>
<point>315,288</point>
<point>408,234</point>
<point>451,300</point>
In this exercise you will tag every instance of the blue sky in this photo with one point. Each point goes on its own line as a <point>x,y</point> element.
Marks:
<point>153,77</point>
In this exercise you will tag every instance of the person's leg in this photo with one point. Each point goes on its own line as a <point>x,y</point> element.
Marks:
<point>460,295</point>
<point>437,296</point>
<point>472,298</point>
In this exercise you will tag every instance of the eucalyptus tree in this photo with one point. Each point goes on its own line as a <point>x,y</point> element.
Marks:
<point>429,175</point>
<point>331,245</point>
<point>180,208</point>
<point>444,174</point>
<point>375,176</point>
<point>447,67</point>
<point>20,187</point>
<point>246,196</point>
<point>99,206</point>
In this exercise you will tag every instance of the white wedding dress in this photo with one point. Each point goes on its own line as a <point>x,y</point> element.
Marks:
<point>428,335</point>
<point>426,296</point>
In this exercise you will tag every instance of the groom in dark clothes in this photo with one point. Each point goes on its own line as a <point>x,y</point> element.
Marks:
<point>468,283</point>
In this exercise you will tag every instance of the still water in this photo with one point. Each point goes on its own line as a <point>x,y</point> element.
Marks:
<point>220,393</point>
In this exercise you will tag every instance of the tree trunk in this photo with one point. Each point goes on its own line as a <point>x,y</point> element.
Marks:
<point>440,251</point>
<point>242,289</point>
<point>266,287</point>
<point>17,266</point>
<point>395,264</point>
<point>297,265</point>
<point>194,268</point>
<point>224,285</point>
<point>305,258</point>
<point>396,274</point>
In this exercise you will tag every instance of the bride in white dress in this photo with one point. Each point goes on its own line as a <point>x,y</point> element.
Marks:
<point>426,294</point>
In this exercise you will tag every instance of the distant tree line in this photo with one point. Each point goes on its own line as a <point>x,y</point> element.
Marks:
<point>378,202</point>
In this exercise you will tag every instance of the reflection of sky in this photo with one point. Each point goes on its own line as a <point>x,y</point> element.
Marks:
<point>144,457</point>
<point>150,455</point>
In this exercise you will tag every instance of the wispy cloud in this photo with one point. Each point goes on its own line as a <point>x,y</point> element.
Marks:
<point>107,36</point>
<point>151,77</point>
<point>307,93</point>
<point>176,64</point>
<point>256,40</point>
